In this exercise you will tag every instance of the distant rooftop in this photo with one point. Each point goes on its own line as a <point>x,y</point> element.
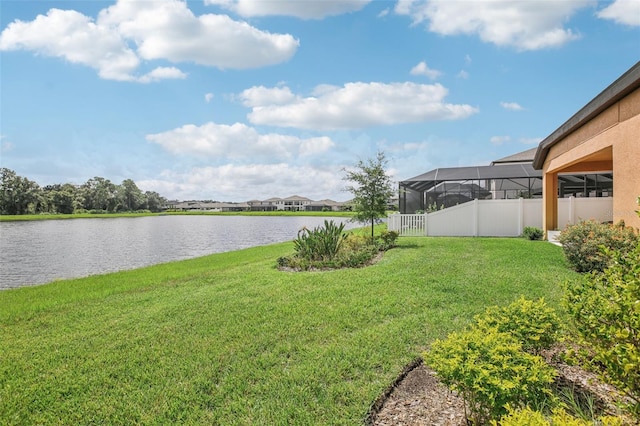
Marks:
<point>521,157</point>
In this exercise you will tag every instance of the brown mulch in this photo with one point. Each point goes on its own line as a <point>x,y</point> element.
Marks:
<point>418,398</point>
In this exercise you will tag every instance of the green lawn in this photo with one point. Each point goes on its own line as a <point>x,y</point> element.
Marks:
<point>228,339</point>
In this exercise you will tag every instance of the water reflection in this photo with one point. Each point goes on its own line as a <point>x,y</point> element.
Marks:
<point>38,252</point>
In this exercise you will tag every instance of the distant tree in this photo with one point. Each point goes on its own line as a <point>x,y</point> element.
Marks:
<point>100,194</point>
<point>19,195</point>
<point>155,202</point>
<point>65,198</point>
<point>131,196</point>
<point>371,188</point>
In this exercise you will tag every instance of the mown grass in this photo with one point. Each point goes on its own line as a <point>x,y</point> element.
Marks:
<point>29,217</point>
<point>229,339</point>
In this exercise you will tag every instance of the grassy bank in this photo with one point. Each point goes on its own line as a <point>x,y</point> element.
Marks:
<point>228,339</point>
<point>26,217</point>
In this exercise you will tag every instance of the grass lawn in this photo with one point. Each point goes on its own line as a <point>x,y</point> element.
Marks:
<point>229,339</point>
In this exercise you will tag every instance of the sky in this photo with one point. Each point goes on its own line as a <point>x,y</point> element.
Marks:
<point>236,100</point>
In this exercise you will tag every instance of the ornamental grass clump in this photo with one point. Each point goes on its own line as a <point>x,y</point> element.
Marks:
<point>583,243</point>
<point>319,243</point>
<point>329,247</point>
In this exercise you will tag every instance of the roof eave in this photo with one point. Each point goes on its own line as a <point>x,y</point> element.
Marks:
<point>624,85</point>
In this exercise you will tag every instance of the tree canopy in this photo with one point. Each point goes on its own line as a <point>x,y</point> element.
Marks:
<point>371,188</point>
<point>19,195</point>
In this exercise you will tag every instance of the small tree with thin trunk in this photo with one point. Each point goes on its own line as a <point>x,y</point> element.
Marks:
<point>371,188</point>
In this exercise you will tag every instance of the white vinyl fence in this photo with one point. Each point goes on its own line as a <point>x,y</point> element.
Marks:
<point>497,218</point>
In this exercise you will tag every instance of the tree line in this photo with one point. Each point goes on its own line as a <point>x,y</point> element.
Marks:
<point>19,195</point>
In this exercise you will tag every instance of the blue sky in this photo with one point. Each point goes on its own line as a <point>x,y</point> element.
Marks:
<point>234,100</point>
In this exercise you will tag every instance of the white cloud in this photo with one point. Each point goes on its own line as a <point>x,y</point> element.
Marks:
<point>123,35</point>
<point>499,140</point>
<point>258,96</point>
<point>403,7</point>
<point>295,8</point>
<point>626,12</point>
<point>162,73</point>
<point>423,69</point>
<point>237,141</point>
<point>232,182</point>
<point>525,25</point>
<point>383,13</point>
<point>71,35</point>
<point>355,105</point>
<point>512,106</point>
<point>463,75</point>
<point>530,141</point>
<point>169,30</point>
<point>208,97</point>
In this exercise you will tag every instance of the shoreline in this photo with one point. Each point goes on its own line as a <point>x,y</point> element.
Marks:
<point>32,217</point>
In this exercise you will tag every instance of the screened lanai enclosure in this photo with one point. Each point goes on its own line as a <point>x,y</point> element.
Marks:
<point>447,187</point>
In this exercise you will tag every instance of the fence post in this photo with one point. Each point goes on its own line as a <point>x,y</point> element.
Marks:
<point>572,210</point>
<point>520,215</point>
<point>476,218</point>
<point>425,223</point>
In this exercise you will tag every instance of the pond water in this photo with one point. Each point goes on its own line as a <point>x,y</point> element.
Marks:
<point>38,252</point>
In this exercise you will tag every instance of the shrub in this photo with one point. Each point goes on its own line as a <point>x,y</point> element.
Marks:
<point>532,233</point>
<point>356,258</point>
<point>582,244</point>
<point>530,417</point>
<point>490,371</point>
<point>320,243</point>
<point>388,239</point>
<point>606,311</point>
<point>354,250</point>
<point>532,323</point>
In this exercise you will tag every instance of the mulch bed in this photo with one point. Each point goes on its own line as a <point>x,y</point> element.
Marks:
<point>418,398</point>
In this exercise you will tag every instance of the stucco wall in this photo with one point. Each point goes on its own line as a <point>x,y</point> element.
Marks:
<point>609,141</point>
<point>626,177</point>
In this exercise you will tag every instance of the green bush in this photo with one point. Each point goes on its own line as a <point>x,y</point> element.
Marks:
<point>530,417</point>
<point>606,311</point>
<point>532,233</point>
<point>388,239</point>
<point>532,323</point>
<point>356,258</point>
<point>354,250</point>
<point>490,371</point>
<point>582,243</point>
<point>319,243</point>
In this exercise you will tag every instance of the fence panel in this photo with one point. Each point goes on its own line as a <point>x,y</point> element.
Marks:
<point>498,218</point>
<point>502,219</point>
<point>532,213</point>
<point>573,210</point>
<point>456,221</point>
<point>408,224</point>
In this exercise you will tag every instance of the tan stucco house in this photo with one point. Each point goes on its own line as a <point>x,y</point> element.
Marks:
<point>603,137</point>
